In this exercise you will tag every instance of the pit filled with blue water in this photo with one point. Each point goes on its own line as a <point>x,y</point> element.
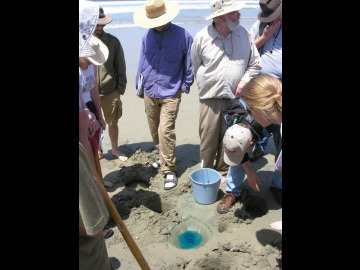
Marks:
<point>190,239</point>
<point>190,233</point>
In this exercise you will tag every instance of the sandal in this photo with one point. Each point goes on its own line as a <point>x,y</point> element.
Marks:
<point>170,178</point>
<point>107,232</point>
<point>156,164</point>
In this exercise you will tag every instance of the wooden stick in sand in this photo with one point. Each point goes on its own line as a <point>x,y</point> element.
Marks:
<point>119,222</point>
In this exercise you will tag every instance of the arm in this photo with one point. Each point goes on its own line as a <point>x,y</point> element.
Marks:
<point>120,69</point>
<point>195,56</point>
<point>94,93</point>
<point>252,176</point>
<point>269,30</point>
<point>188,78</point>
<point>253,68</point>
<point>140,67</point>
<point>83,138</point>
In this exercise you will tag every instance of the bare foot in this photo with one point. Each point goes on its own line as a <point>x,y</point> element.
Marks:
<point>119,155</point>
<point>108,184</point>
<point>277,225</point>
<point>101,155</point>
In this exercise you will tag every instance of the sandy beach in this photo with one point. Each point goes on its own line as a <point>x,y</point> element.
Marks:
<point>240,239</point>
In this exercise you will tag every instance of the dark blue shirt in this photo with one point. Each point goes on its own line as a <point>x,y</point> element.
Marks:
<point>165,61</point>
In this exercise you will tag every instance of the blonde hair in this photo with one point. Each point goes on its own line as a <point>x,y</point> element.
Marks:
<point>263,94</point>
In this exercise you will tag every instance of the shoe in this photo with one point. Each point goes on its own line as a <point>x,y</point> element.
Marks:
<point>256,154</point>
<point>170,181</point>
<point>156,164</point>
<point>278,194</point>
<point>107,232</point>
<point>226,202</point>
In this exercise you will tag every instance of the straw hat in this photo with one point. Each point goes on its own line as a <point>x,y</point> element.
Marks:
<point>155,13</point>
<point>103,19</point>
<point>270,10</point>
<point>222,7</point>
<point>88,17</point>
<point>100,49</point>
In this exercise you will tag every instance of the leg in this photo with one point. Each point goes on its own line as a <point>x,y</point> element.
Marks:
<point>114,135</point>
<point>167,137</point>
<point>152,110</point>
<point>234,178</point>
<point>112,109</point>
<point>211,132</point>
<point>276,186</point>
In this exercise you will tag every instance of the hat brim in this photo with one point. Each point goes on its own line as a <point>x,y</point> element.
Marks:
<point>101,56</point>
<point>232,160</point>
<point>105,20</point>
<point>88,17</point>
<point>273,16</point>
<point>140,18</point>
<point>236,7</point>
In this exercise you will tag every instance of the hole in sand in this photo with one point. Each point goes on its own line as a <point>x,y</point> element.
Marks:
<point>256,206</point>
<point>190,233</point>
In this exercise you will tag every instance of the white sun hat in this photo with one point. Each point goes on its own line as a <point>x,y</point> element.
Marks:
<point>222,7</point>
<point>88,17</point>
<point>100,49</point>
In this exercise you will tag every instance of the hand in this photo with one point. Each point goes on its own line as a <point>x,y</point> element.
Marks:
<point>102,123</point>
<point>253,180</point>
<point>271,29</point>
<point>239,88</point>
<point>93,128</point>
<point>91,117</point>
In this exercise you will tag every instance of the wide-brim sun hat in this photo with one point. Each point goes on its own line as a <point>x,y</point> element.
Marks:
<point>88,17</point>
<point>270,10</point>
<point>155,13</point>
<point>222,7</point>
<point>100,49</point>
<point>103,19</point>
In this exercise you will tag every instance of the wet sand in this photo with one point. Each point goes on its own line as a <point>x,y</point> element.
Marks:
<point>239,240</point>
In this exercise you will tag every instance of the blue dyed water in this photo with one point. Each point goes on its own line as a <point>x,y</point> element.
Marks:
<point>190,239</point>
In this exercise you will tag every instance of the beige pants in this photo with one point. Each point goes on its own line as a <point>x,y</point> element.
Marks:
<point>161,115</point>
<point>211,132</point>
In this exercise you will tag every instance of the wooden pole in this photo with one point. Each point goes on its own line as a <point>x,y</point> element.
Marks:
<point>116,217</point>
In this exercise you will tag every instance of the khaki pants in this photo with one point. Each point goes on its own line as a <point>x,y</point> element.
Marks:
<point>211,132</point>
<point>161,115</point>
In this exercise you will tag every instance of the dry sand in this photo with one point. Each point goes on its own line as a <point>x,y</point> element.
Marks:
<point>240,239</point>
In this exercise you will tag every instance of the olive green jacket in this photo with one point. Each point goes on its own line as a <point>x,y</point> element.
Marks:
<point>112,74</point>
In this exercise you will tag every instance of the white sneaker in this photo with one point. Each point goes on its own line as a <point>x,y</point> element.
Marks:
<point>156,164</point>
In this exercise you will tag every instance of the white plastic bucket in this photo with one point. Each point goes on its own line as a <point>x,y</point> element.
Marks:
<point>205,183</point>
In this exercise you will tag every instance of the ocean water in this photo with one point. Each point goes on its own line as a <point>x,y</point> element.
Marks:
<point>191,16</point>
<point>191,12</point>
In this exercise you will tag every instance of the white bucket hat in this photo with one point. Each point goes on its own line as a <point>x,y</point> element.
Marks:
<point>222,7</point>
<point>100,49</point>
<point>88,17</point>
<point>155,13</point>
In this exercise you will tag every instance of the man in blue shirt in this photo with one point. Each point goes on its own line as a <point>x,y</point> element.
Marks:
<point>165,64</point>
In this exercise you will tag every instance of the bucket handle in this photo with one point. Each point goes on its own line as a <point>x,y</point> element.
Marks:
<point>202,165</point>
<point>207,172</point>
